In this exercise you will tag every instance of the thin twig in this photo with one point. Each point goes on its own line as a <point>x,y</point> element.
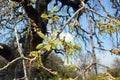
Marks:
<point>14,60</point>
<point>88,67</point>
<point>102,49</point>
<point>21,53</point>
<point>49,70</point>
<point>83,30</point>
<point>9,63</point>
<point>112,18</point>
<point>103,8</point>
<point>91,65</point>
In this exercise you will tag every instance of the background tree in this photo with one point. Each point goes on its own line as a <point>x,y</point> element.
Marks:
<point>116,68</point>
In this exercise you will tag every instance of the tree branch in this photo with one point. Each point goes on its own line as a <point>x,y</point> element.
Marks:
<point>64,25</point>
<point>92,41</point>
<point>21,53</point>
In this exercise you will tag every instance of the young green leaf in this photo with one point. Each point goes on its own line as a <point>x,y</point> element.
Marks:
<point>116,51</point>
<point>41,34</point>
<point>57,42</point>
<point>53,46</point>
<point>48,47</point>
<point>14,4</point>
<point>45,16</point>
<point>33,53</point>
<point>56,17</point>
<point>97,20</point>
<point>71,51</point>
<point>40,46</point>
<point>53,35</point>
<point>77,47</point>
<point>53,10</point>
<point>72,25</point>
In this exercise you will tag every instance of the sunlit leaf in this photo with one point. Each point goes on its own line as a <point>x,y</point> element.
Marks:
<point>116,51</point>
<point>48,47</point>
<point>97,20</point>
<point>54,72</point>
<point>14,4</point>
<point>33,54</point>
<point>53,46</point>
<point>57,42</point>
<point>53,35</point>
<point>57,17</point>
<point>39,46</point>
<point>39,61</point>
<point>41,34</point>
<point>45,16</point>
<point>71,51</point>
<point>53,10</point>
<point>20,17</point>
<point>118,22</point>
<point>72,25</point>
<point>78,47</point>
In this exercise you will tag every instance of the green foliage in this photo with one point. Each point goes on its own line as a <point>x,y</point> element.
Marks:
<point>101,76</point>
<point>117,79</point>
<point>51,15</point>
<point>37,55</point>
<point>108,25</point>
<point>73,24</point>
<point>52,42</point>
<point>52,18</point>
<point>40,46</point>
<point>48,47</point>
<point>70,48</point>
<point>115,70</point>
<point>45,16</point>
<point>53,10</point>
<point>41,34</point>
<point>116,51</point>
<point>14,4</point>
<point>33,53</point>
<point>118,23</point>
<point>93,77</point>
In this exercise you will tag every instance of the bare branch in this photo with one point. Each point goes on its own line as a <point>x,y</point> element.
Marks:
<point>92,41</point>
<point>49,70</point>
<point>21,53</point>
<point>112,18</point>
<point>64,25</point>
<point>9,63</point>
<point>83,30</point>
<point>104,8</point>
<point>102,49</point>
